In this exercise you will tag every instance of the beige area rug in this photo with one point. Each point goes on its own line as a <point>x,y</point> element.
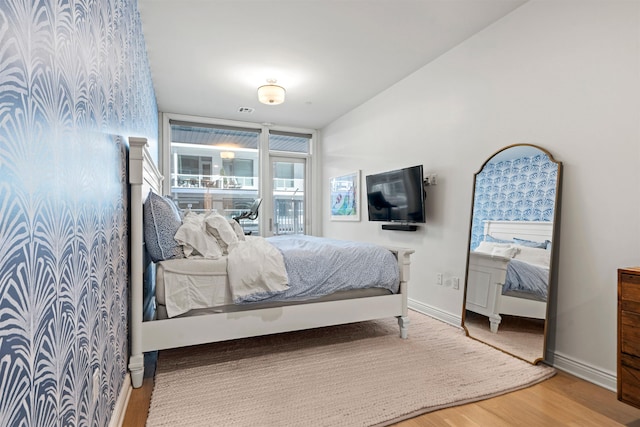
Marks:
<point>359,374</point>
<point>519,336</point>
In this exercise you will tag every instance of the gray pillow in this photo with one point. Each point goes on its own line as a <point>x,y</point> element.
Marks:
<point>490,238</point>
<point>531,243</point>
<point>161,222</point>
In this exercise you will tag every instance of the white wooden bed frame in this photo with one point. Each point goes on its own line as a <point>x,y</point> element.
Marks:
<point>184,331</point>
<point>487,274</point>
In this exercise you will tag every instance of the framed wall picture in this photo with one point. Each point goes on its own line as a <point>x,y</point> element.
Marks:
<point>345,197</point>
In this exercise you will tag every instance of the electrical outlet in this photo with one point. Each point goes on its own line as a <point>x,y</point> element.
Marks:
<point>96,383</point>
<point>455,282</point>
<point>439,279</point>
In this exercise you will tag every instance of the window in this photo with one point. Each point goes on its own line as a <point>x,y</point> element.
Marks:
<point>224,165</point>
<point>290,142</point>
<point>214,167</point>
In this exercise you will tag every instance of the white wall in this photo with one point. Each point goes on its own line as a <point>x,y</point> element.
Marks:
<point>564,75</point>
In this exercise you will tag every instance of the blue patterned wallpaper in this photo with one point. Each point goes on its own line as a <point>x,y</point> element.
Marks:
<point>74,84</point>
<point>521,189</point>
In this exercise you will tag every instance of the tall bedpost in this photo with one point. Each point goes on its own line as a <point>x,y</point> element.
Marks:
<point>136,361</point>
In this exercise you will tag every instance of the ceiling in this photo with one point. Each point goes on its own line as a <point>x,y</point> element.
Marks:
<point>208,57</point>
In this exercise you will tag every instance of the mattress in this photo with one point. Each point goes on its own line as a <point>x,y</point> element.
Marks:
<point>161,310</point>
<point>201,286</point>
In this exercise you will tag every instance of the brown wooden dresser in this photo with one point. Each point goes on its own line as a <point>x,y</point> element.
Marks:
<point>629,335</point>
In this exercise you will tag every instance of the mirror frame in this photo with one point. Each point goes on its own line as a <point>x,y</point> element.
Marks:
<point>552,263</point>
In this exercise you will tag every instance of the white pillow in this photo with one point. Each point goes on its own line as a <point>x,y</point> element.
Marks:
<point>195,240</point>
<point>537,256</point>
<point>487,247</point>
<point>237,229</point>
<point>219,227</point>
<point>506,250</point>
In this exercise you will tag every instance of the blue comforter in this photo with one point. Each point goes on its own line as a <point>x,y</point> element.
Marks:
<point>529,278</point>
<point>318,266</point>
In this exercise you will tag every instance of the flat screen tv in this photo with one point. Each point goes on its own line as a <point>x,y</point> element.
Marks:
<point>396,196</point>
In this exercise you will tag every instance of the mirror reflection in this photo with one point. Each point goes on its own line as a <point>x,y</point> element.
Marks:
<point>510,250</point>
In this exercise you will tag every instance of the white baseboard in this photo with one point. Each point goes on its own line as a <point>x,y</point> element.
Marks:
<point>559,361</point>
<point>582,370</point>
<point>117,417</point>
<point>436,313</point>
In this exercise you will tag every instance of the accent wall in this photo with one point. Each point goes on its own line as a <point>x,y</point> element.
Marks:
<point>74,85</point>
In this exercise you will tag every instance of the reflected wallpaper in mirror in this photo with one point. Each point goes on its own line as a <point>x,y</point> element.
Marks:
<point>515,209</point>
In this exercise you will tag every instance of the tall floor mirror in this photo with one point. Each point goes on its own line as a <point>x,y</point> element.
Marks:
<point>511,243</point>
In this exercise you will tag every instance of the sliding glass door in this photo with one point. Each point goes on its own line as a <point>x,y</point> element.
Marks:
<point>288,195</point>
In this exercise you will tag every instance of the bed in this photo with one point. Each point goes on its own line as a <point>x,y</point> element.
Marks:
<point>227,320</point>
<point>509,271</point>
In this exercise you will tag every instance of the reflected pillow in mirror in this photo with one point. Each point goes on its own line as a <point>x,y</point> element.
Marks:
<point>490,238</point>
<point>507,250</point>
<point>531,243</point>
<point>487,247</point>
<point>536,256</point>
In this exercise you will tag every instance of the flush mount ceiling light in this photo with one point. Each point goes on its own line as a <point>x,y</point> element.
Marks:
<point>227,155</point>
<point>271,94</point>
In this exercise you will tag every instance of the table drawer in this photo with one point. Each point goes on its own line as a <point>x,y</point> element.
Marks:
<point>630,333</point>
<point>630,278</point>
<point>629,380</point>
<point>629,292</point>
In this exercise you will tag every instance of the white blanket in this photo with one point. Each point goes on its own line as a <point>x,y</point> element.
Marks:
<point>255,267</point>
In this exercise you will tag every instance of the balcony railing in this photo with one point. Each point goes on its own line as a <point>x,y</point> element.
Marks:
<point>288,217</point>
<point>183,180</point>
<point>287,184</point>
<point>288,199</point>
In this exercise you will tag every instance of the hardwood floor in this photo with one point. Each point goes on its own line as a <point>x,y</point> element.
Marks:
<point>563,400</point>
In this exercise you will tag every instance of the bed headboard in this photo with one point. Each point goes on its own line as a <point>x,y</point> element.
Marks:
<point>538,231</point>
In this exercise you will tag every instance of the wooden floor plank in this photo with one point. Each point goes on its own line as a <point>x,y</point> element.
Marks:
<point>138,408</point>
<point>594,397</point>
